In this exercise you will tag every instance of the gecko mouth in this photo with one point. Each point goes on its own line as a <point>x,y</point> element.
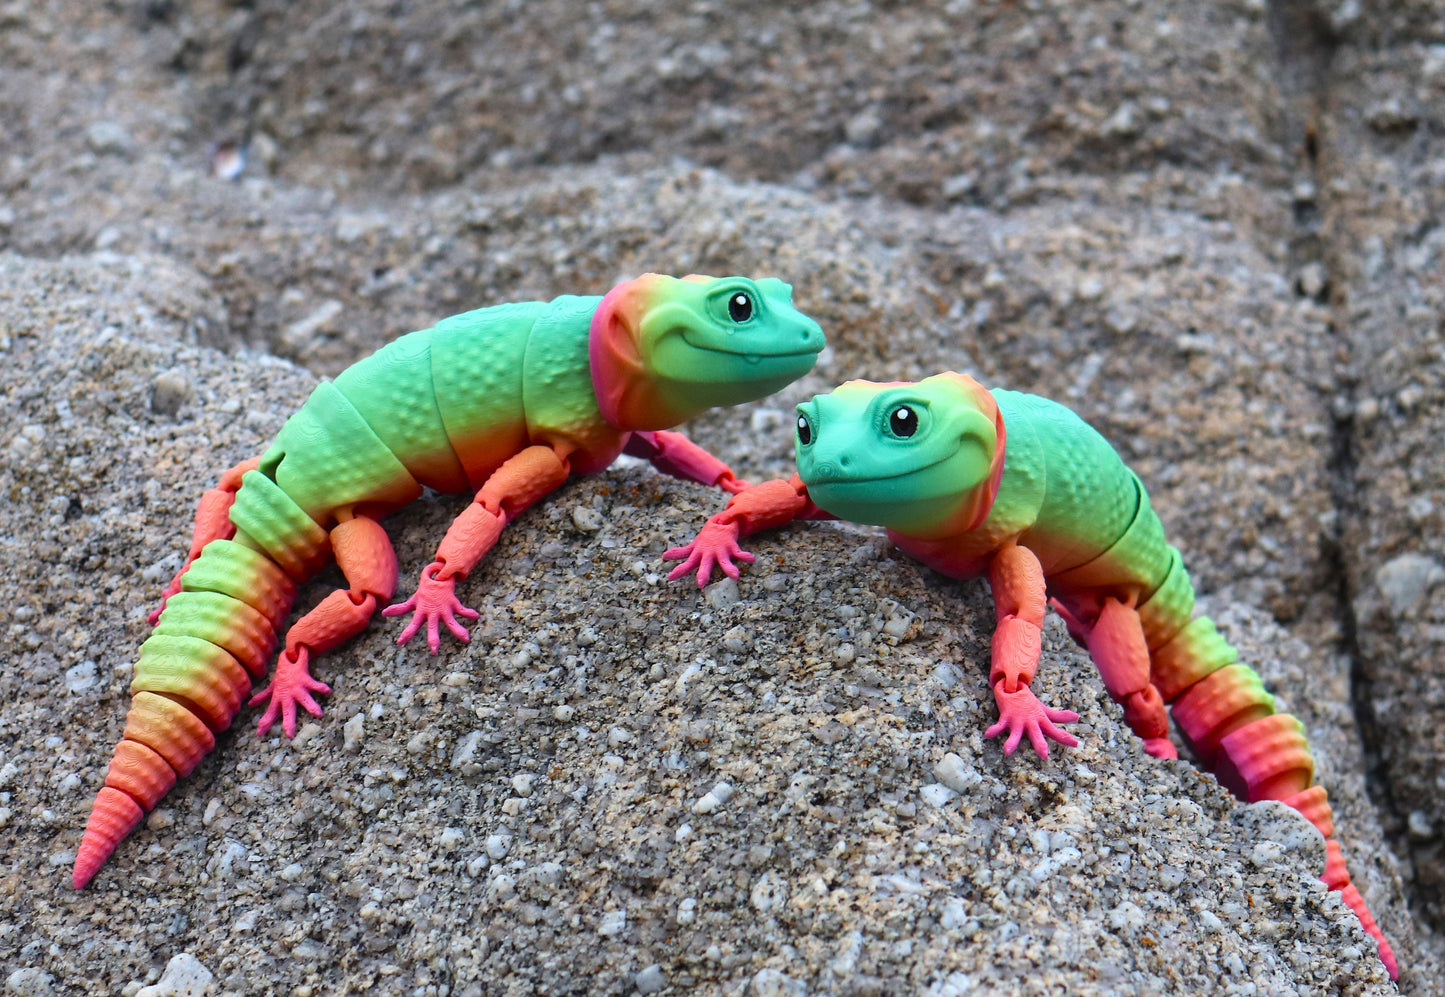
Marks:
<point>755,352</point>
<point>834,473</point>
<point>754,356</point>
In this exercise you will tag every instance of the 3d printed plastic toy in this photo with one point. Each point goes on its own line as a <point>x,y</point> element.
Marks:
<point>1020,489</point>
<point>506,402</point>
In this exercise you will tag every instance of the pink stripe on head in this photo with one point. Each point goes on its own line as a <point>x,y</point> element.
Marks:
<point>612,348</point>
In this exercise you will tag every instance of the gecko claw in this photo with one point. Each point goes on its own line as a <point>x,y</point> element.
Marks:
<point>291,686</point>
<point>715,546</point>
<point>433,603</point>
<point>1020,713</point>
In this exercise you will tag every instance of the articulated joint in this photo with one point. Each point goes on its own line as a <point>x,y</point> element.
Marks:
<point>1017,644</point>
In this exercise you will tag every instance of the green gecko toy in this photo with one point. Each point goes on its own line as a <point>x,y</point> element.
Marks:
<point>1020,489</point>
<point>505,402</point>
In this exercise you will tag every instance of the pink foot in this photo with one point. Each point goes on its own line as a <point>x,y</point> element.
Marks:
<point>1160,747</point>
<point>291,685</point>
<point>1021,713</point>
<point>715,546</point>
<point>433,603</point>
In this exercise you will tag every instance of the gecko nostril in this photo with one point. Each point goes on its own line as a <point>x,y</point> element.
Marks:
<point>843,461</point>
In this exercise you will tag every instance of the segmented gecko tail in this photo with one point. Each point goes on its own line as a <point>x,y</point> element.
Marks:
<point>213,522</point>
<point>212,640</point>
<point>1223,710</point>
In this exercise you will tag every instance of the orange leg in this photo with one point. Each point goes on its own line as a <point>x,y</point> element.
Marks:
<point>1116,643</point>
<point>1017,580</point>
<point>213,522</point>
<point>365,556</point>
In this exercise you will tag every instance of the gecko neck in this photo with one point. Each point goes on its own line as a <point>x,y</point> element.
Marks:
<point>626,392</point>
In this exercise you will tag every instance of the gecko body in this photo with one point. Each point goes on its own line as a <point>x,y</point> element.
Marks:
<point>504,402</point>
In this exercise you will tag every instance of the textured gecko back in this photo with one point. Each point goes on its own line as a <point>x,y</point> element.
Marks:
<point>1090,508</point>
<point>477,363</point>
<point>394,391</point>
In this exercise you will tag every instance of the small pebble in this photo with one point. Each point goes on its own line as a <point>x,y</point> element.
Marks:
<point>952,772</point>
<point>775,983</point>
<point>352,732</point>
<point>651,980</point>
<point>721,595</point>
<point>713,799</point>
<point>184,977</point>
<point>587,519</point>
<point>30,982</point>
<point>937,793</point>
<point>109,138</point>
<point>169,392</point>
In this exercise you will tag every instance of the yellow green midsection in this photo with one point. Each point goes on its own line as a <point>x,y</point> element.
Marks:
<point>1080,498</point>
<point>1087,517</point>
<point>441,408</point>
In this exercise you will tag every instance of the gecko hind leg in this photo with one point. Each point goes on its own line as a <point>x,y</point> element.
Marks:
<point>365,556</point>
<point>213,522</point>
<point>1115,641</point>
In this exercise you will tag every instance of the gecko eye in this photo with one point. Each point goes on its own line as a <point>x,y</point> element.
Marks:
<point>805,431</point>
<point>740,307</point>
<point>903,422</point>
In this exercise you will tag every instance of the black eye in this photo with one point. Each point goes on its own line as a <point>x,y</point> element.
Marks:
<point>805,431</point>
<point>903,422</point>
<point>740,307</point>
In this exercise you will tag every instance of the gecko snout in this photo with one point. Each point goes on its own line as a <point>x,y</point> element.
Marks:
<point>832,469</point>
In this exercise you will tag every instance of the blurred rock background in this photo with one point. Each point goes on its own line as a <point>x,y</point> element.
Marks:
<point>1213,229</point>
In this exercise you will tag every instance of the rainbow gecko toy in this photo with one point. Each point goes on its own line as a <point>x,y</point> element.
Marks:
<point>1021,490</point>
<point>506,402</point>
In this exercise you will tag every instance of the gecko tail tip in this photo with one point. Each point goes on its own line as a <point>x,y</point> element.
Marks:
<point>114,816</point>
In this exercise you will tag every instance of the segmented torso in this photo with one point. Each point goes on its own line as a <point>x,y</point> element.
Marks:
<point>444,408</point>
<point>1067,496</point>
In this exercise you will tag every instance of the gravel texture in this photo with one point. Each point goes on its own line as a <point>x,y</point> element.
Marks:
<point>775,784</point>
<point>1209,228</point>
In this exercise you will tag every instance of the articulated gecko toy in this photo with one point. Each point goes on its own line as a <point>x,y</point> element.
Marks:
<point>506,402</point>
<point>1020,489</point>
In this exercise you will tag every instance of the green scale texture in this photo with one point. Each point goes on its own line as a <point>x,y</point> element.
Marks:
<point>1088,517</point>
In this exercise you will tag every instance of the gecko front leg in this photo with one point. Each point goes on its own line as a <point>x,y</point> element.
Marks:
<point>1017,581</point>
<point>757,507</point>
<point>513,487</point>
<point>676,455</point>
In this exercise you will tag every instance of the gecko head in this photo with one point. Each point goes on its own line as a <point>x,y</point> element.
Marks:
<point>922,458</point>
<point>665,349</point>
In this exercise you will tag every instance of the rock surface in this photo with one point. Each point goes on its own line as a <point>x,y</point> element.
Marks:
<point>1209,228</point>
<point>778,784</point>
<point>1383,150</point>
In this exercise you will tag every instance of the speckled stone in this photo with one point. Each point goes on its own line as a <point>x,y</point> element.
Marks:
<point>1212,229</point>
<point>824,865</point>
<point>1382,149</point>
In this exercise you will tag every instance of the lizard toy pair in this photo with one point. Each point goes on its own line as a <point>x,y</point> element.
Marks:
<point>508,402</point>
